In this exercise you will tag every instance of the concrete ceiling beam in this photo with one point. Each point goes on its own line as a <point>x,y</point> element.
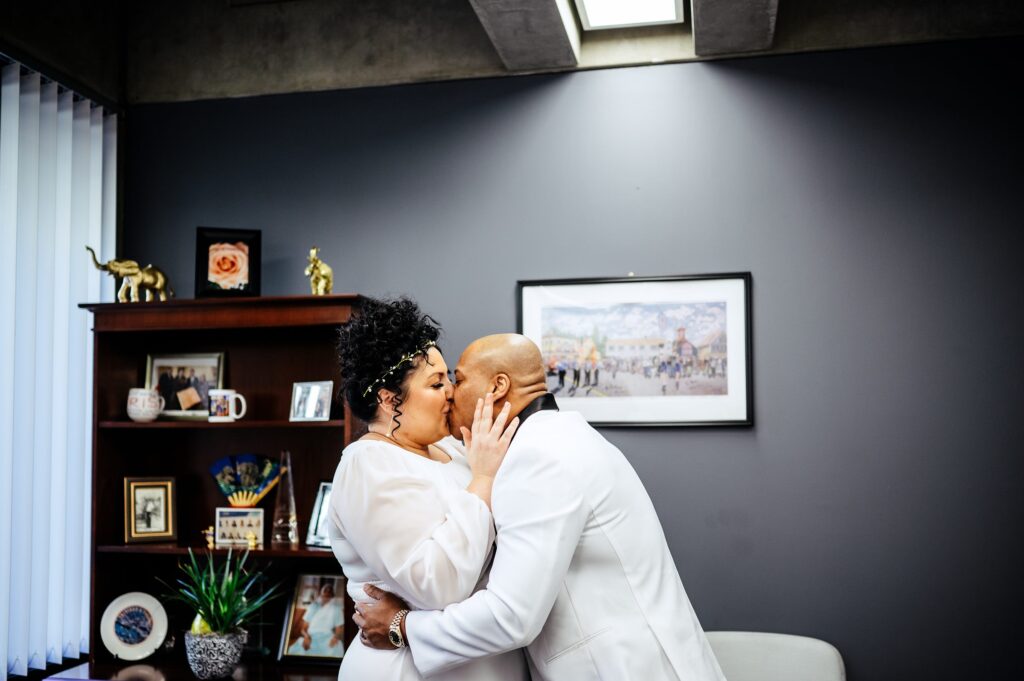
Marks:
<point>733,26</point>
<point>531,35</point>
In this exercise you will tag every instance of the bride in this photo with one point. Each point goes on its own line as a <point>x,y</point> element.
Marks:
<point>410,505</point>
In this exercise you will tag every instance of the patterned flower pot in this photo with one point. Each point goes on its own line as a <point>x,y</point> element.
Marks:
<point>213,656</point>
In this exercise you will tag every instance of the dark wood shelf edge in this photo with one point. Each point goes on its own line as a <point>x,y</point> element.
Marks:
<point>209,314</point>
<point>199,423</point>
<point>175,550</point>
<point>254,301</point>
<point>172,667</point>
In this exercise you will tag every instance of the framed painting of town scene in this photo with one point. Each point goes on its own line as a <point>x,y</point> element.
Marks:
<point>655,351</point>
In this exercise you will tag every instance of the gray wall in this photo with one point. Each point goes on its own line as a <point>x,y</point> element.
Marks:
<point>875,197</point>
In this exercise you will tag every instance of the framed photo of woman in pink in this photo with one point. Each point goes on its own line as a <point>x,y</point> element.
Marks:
<point>227,262</point>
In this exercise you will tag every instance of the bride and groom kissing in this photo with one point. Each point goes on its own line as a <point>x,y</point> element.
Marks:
<point>486,534</point>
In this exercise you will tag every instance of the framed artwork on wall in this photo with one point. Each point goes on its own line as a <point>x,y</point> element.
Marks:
<point>227,262</point>
<point>150,510</point>
<point>645,351</point>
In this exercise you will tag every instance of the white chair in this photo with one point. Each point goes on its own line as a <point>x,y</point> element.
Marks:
<point>758,656</point>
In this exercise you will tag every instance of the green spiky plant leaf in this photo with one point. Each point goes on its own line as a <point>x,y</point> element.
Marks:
<point>220,594</point>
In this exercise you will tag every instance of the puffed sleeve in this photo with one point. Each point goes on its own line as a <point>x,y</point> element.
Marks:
<point>428,542</point>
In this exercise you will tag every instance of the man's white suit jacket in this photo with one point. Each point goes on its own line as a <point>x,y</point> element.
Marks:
<point>582,575</point>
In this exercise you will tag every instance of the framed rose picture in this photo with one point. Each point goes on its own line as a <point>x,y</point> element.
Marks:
<point>646,351</point>
<point>227,262</point>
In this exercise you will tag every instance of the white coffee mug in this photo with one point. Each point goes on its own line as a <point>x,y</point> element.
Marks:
<point>222,406</point>
<point>144,405</point>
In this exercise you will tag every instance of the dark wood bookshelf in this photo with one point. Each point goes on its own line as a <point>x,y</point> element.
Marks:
<point>268,344</point>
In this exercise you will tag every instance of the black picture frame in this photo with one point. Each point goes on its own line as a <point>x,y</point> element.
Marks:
<point>226,284</point>
<point>685,365</point>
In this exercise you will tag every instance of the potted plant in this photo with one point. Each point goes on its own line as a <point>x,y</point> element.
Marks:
<point>219,597</point>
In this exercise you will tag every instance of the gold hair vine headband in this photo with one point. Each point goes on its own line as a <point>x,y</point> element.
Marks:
<point>405,358</point>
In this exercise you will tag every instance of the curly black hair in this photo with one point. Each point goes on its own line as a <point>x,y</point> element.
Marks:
<point>373,341</point>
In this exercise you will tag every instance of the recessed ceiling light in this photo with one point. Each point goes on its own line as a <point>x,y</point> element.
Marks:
<point>598,14</point>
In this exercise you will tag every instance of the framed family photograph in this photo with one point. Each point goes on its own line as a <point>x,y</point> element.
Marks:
<point>314,626</point>
<point>232,526</point>
<point>185,381</point>
<point>317,533</point>
<point>311,401</point>
<point>645,351</point>
<point>149,510</point>
<point>227,262</point>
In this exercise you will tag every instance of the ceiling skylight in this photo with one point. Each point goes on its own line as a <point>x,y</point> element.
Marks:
<point>599,14</point>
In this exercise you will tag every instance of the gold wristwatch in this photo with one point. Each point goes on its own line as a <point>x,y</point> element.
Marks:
<point>395,630</point>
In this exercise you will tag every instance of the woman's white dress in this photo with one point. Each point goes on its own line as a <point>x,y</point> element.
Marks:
<point>406,524</point>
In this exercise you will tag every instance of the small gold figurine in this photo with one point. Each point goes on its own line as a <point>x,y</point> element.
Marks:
<point>251,538</point>
<point>150,279</point>
<point>209,535</point>
<point>321,276</point>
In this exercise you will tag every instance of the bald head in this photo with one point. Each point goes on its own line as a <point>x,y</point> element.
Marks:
<point>506,364</point>
<point>509,353</point>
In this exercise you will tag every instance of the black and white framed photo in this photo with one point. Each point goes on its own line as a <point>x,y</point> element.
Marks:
<point>227,262</point>
<point>314,626</point>
<point>233,526</point>
<point>317,533</point>
<point>185,381</point>
<point>150,510</point>
<point>646,351</point>
<point>311,401</point>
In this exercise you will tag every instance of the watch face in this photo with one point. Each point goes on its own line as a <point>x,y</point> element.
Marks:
<point>395,638</point>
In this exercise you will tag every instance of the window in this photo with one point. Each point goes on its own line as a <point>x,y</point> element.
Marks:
<point>57,195</point>
<point>602,14</point>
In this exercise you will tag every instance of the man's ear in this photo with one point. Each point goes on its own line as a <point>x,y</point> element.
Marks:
<point>500,386</point>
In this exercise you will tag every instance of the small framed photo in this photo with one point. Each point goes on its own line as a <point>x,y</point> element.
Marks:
<point>314,626</point>
<point>317,533</point>
<point>185,381</point>
<point>232,526</point>
<point>311,401</point>
<point>150,510</point>
<point>227,262</point>
<point>646,351</point>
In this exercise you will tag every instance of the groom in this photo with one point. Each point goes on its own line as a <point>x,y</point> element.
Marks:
<point>582,576</point>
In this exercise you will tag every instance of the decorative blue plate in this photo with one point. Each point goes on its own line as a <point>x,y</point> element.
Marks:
<point>134,625</point>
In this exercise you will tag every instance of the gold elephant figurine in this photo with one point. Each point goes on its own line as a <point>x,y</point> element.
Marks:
<point>150,279</point>
<point>321,276</point>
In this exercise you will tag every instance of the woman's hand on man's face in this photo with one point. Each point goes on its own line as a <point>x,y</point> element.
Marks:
<point>489,438</point>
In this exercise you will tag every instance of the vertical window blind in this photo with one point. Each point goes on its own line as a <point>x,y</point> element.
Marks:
<point>57,195</point>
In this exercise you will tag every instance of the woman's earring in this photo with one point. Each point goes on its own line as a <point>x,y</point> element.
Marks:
<point>391,425</point>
